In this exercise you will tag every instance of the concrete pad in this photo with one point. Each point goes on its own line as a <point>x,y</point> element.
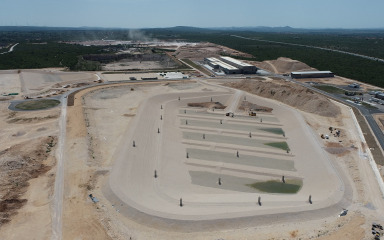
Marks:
<point>252,142</point>
<point>263,162</point>
<point>228,182</point>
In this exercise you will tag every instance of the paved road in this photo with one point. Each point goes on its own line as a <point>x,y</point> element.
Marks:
<point>315,47</point>
<point>10,50</point>
<point>364,111</point>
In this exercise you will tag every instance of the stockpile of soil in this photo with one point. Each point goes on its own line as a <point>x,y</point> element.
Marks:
<point>336,148</point>
<point>216,105</point>
<point>245,105</point>
<point>18,165</point>
<point>293,95</point>
<point>203,50</point>
<point>32,119</point>
<point>284,66</point>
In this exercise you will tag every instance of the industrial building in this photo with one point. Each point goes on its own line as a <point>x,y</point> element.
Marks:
<point>245,68</point>
<point>220,65</point>
<point>230,65</point>
<point>312,74</point>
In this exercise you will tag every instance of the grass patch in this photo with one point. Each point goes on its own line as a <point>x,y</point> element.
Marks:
<point>289,187</point>
<point>281,145</point>
<point>277,131</point>
<point>37,104</point>
<point>330,89</point>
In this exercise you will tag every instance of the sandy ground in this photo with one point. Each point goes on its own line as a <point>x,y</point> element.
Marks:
<point>291,94</point>
<point>23,138</point>
<point>9,82</point>
<point>106,123</point>
<point>134,65</point>
<point>105,120</point>
<point>202,50</point>
<point>379,118</point>
<point>283,66</point>
<point>89,158</point>
<point>35,83</point>
<point>101,129</point>
<point>125,77</point>
<point>167,192</point>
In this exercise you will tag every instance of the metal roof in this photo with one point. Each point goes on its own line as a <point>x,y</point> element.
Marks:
<point>312,72</point>
<point>222,64</point>
<point>238,62</point>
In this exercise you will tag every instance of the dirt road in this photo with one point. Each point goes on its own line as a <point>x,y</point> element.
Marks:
<point>57,200</point>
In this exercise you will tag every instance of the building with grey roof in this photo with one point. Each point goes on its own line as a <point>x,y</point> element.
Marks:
<point>312,74</point>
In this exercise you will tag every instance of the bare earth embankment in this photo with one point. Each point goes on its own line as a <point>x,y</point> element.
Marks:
<point>114,209</point>
<point>27,165</point>
<point>293,95</point>
<point>283,66</point>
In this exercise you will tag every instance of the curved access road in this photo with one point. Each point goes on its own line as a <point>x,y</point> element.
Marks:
<point>10,50</point>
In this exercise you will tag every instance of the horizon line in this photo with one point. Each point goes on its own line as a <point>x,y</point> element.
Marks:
<point>228,27</point>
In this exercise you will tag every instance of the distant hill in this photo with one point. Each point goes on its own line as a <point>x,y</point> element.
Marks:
<point>39,28</point>
<point>286,29</point>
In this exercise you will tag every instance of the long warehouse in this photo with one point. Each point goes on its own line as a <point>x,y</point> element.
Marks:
<point>312,74</point>
<point>225,67</point>
<point>245,68</point>
<point>230,65</point>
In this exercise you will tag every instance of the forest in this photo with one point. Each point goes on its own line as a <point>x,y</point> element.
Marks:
<point>41,48</point>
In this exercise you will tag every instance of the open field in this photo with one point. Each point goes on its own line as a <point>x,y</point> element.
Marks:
<point>230,162</point>
<point>42,83</point>
<point>164,162</point>
<point>202,157</point>
<point>27,171</point>
<point>178,112</point>
<point>37,104</point>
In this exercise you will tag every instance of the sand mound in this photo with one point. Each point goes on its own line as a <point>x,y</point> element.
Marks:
<point>295,96</point>
<point>284,65</point>
<point>216,105</point>
<point>245,105</point>
<point>18,165</point>
<point>202,50</point>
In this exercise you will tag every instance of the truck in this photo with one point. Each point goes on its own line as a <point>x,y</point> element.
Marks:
<point>230,114</point>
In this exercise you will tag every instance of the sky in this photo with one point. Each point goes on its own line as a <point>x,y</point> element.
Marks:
<point>196,13</point>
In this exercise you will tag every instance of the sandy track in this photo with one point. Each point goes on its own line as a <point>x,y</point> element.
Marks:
<point>133,186</point>
<point>57,200</point>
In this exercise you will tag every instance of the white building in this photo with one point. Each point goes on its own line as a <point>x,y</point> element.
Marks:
<point>225,67</point>
<point>230,65</point>
<point>245,68</point>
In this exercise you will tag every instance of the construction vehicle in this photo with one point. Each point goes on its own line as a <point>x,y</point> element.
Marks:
<point>230,114</point>
<point>252,113</point>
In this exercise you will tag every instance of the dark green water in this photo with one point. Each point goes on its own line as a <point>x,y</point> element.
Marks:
<point>290,187</point>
